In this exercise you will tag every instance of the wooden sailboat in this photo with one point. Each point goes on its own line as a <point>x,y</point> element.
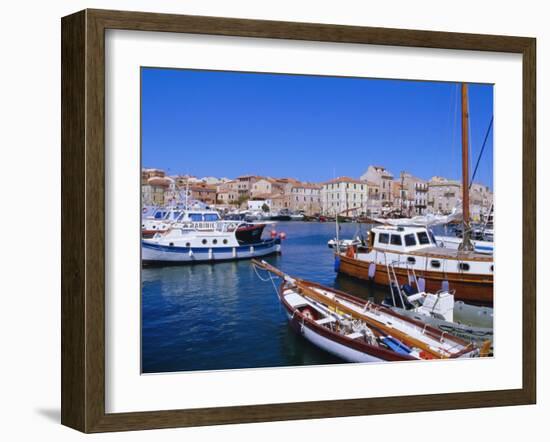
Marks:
<point>468,274</point>
<point>359,331</point>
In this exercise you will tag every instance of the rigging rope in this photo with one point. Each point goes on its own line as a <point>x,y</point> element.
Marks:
<point>481,151</point>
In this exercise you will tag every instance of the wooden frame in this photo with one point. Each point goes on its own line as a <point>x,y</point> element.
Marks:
<point>83,216</point>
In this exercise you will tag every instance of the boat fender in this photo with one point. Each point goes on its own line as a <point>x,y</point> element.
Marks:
<point>336,263</point>
<point>372,270</point>
<point>445,285</point>
<point>421,285</point>
<point>425,355</point>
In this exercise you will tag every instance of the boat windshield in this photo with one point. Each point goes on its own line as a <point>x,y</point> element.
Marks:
<point>211,217</point>
<point>423,238</point>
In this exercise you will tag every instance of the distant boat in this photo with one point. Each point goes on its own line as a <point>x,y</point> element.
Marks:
<point>200,236</point>
<point>359,331</point>
<point>343,243</point>
<point>453,243</point>
<point>297,216</point>
<point>282,215</point>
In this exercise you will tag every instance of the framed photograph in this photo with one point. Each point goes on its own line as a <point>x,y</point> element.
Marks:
<point>269,220</point>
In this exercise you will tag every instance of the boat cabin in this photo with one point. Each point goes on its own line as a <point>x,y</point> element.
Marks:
<point>401,239</point>
<point>199,216</point>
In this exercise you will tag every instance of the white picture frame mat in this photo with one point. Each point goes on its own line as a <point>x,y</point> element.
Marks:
<point>127,390</point>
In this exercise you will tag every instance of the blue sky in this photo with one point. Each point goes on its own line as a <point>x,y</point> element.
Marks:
<point>312,128</point>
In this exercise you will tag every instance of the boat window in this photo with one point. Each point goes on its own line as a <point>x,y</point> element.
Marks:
<point>214,241</point>
<point>492,268</point>
<point>211,217</point>
<point>225,241</point>
<point>410,240</point>
<point>423,238</point>
<point>383,238</point>
<point>187,244</point>
<point>435,263</point>
<point>396,240</point>
<point>159,215</point>
<point>195,217</point>
<point>204,241</point>
<point>411,260</point>
<point>463,266</point>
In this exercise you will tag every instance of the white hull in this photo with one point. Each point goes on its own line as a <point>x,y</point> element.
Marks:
<point>452,242</point>
<point>343,352</point>
<point>152,253</point>
<point>470,333</point>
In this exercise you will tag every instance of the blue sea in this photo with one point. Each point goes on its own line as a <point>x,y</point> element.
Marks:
<point>223,316</point>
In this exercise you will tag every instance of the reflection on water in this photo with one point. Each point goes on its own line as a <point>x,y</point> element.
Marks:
<point>221,316</point>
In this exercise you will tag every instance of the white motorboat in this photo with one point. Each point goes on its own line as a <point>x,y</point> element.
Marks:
<point>208,241</point>
<point>453,243</point>
<point>343,243</point>
<point>470,322</point>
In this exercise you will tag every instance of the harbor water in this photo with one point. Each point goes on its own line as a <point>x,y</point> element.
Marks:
<point>222,316</point>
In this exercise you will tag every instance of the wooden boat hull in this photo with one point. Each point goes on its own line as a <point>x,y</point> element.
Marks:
<point>469,288</point>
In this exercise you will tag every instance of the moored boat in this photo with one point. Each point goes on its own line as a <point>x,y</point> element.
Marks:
<point>467,273</point>
<point>453,242</point>
<point>470,322</point>
<point>359,331</point>
<point>218,241</point>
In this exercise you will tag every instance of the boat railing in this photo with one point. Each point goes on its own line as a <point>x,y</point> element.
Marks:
<point>218,226</point>
<point>394,282</point>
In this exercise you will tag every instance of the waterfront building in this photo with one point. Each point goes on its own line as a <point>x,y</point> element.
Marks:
<point>213,181</point>
<point>481,200</point>
<point>306,198</point>
<point>344,195</point>
<point>202,192</point>
<point>150,173</point>
<point>382,178</point>
<point>258,205</point>
<point>374,205</point>
<point>227,193</point>
<point>412,196</point>
<point>443,194</point>
<point>152,193</point>
<point>244,183</point>
<point>265,186</point>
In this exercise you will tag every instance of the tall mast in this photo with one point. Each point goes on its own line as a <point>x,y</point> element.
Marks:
<point>466,243</point>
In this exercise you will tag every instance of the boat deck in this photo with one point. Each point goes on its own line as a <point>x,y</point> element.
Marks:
<point>441,252</point>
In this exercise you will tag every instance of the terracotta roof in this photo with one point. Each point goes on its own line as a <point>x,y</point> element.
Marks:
<point>160,181</point>
<point>307,186</point>
<point>345,179</point>
<point>268,196</point>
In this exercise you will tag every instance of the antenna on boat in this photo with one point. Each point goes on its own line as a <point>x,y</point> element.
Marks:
<point>466,244</point>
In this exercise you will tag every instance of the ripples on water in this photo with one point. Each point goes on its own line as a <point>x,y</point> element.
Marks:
<point>221,316</point>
